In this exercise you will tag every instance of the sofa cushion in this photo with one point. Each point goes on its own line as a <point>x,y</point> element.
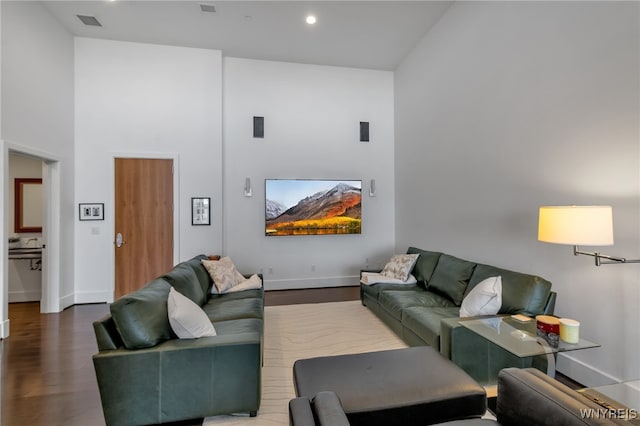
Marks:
<point>395,301</point>
<point>187,319</point>
<point>425,265</point>
<point>425,322</point>
<point>451,277</point>
<point>483,299</point>
<point>184,279</point>
<point>400,266</point>
<point>141,317</point>
<point>203,276</point>
<point>521,293</point>
<point>222,309</point>
<point>239,326</point>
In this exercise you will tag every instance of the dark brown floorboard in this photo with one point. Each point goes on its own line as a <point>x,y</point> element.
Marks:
<point>47,375</point>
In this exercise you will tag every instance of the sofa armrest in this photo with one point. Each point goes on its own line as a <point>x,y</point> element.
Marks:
<point>300,412</point>
<point>217,375</point>
<point>529,397</point>
<point>325,409</point>
<point>551,303</point>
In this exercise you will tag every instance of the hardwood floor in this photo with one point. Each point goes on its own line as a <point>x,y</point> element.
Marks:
<point>47,372</point>
<point>47,375</point>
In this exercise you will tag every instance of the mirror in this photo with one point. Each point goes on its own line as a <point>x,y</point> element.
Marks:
<point>28,205</point>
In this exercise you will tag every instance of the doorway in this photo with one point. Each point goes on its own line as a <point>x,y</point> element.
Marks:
<point>51,187</point>
<point>25,212</point>
<point>144,221</point>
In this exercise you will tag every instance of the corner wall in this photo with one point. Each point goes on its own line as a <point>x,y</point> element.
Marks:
<point>507,106</point>
<point>150,101</point>
<point>37,117</point>
<point>312,116</point>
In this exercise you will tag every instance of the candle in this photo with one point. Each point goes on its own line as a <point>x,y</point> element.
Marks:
<point>569,330</point>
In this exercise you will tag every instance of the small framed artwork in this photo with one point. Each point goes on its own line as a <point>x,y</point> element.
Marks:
<point>91,211</point>
<point>200,211</point>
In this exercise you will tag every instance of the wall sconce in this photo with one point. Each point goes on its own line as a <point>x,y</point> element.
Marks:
<point>372,188</point>
<point>580,225</point>
<point>247,187</point>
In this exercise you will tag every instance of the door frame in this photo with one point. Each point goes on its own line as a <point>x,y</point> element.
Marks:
<point>51,170</point>
<point>111,214</point>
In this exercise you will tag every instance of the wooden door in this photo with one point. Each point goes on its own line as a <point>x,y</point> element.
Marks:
<point>143,221</point>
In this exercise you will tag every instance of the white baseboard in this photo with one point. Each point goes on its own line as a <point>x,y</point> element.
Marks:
<point>25,296</point>
<point>302,283</point>
<point>93,297</point>
<point>583,373</point>
<point>4,329</point>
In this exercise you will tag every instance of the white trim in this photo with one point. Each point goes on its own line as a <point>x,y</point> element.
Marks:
<point>303,283</point>
<point>50,294</point>
<point>4,329</point>
<point>24,296</point>
<point>92,297</point>
<point>582,372</point>
<point>110,216</point>
<point>4,245</point>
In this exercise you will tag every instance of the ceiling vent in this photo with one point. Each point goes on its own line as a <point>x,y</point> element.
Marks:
<point>208,8</point>
<point>89,20</point>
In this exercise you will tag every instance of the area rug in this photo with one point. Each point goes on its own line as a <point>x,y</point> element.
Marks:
<point>304,331</point>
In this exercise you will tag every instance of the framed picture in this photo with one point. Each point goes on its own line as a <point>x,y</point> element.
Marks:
<point>200,211</point>
<point>91,211</point>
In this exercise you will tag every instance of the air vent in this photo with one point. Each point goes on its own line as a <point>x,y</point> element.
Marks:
<point>89,20</point>
<point>208,8</point>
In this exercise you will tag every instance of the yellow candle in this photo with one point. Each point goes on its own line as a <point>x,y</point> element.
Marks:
<point>569,330</point>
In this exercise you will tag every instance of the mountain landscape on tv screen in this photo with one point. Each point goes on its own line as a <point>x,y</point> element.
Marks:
<point>334,211</point>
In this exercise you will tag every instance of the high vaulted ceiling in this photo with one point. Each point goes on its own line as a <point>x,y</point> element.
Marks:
<point>361,34</point>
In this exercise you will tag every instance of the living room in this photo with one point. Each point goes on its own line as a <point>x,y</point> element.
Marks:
<point>501,107</point>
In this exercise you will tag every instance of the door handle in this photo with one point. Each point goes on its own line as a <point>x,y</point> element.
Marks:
<point>119,240</point>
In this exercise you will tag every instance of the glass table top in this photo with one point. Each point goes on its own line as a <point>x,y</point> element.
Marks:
<point>520,338</point>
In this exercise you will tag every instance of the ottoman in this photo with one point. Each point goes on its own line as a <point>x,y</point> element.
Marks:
<point>412,386</point>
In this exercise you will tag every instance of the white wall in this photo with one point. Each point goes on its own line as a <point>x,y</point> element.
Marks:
<point>312,116</point>
<point>507,106</point>
<point>37,113</point>
<point>149,101</point>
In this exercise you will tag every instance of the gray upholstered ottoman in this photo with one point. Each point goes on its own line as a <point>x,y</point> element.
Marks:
<point>413,386</point>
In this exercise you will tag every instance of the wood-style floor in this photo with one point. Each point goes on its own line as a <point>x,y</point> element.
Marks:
<point>47,375</point>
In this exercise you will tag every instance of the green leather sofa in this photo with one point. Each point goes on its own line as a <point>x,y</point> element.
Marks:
<point>427,313</point>
<point>146,375</point>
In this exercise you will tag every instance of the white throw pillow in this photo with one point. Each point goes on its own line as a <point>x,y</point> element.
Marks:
<point>400,266</point>
<point>484,299</point>
<point>252,283</point>
<point>223,273</point>
<point>187,319</point>
<point>370,278</point>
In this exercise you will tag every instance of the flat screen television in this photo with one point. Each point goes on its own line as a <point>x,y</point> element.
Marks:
<point>312,207</point>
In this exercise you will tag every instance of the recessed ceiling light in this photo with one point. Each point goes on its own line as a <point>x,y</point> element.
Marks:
<point>311,19</point>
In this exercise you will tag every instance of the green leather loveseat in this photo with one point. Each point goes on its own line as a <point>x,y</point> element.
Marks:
<point>427,313</point>
<point>146,375</point>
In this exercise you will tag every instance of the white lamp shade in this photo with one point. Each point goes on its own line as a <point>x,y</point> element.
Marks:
<point>576,225</point>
